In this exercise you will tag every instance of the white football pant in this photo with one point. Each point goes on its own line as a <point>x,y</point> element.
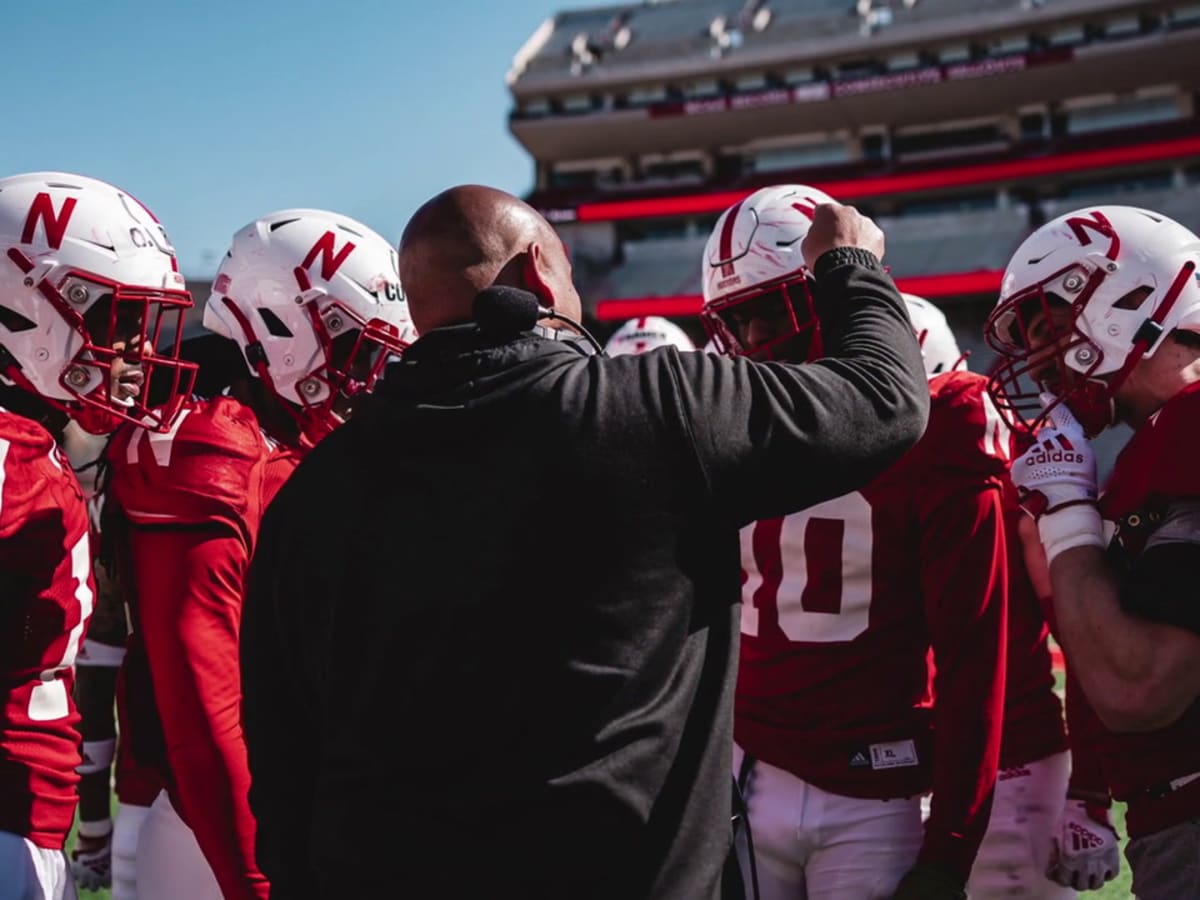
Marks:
<point>30,872</point>
<point>810,844</point>
<point>170,864</point>
<point>1016,849</point>
<point>127,827</point>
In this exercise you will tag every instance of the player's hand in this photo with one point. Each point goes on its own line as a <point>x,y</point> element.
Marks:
<point>91,862</point>
<point>836,226</point>
<point>1055,479</point>
<point>1086,852</point>
<point>926,882</point>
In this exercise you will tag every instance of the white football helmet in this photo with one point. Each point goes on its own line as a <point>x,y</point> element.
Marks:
<point>939,348</point>
<point>1125,278</point>
<point>86,267</point>
<point>313,299</point>
<point>647,333</point>
<point>753,256</point>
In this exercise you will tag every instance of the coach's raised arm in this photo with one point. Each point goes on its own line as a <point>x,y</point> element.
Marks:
<point>499,607</point>
<point>778,437</point>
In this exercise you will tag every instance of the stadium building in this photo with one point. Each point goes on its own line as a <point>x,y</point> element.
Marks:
<point>960,125</point>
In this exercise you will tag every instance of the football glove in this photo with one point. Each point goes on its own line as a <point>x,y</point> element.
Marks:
<point>1056,482</point>
<point>91,862</point>
<point>1086,852</point>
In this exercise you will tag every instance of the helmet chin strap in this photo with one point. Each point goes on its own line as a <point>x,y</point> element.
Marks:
<point>311,426</point>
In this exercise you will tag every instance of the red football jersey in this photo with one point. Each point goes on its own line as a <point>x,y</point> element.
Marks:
<point>1033,714</point>
<point>842,602</point>
<point>46,573</point>
<point>215,471</point>
<point>1158,465</point>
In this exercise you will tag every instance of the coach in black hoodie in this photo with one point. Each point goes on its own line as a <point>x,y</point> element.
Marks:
<point>490,642</point>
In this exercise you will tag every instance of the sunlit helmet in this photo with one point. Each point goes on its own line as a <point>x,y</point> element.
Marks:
<point>647,333</point>
<point>939,348</point>
<point>313,298</point>
<point>752,263</point>
<point>88,278</point>
<point>1122,279</point>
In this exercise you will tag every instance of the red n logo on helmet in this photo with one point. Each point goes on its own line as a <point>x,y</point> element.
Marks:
<point>1081,225</point>
<point>54,223</point>
<point>330,261</point>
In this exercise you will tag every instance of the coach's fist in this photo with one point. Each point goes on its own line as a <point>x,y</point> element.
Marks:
<point>836,226</point>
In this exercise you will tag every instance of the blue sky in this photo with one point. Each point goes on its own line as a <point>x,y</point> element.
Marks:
<point>216,112</point>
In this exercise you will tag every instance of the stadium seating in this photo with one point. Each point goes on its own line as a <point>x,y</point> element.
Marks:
<point>953,241</point>
<point>1180,203</point>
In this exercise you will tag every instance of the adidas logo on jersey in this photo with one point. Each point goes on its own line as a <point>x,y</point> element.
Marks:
<point>859,760</point>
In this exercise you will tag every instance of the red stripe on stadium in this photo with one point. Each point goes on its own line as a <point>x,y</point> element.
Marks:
<point>1075,162</point>
<point>954,284</point>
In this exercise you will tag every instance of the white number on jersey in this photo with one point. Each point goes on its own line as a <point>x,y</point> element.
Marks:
<point>807,577</point>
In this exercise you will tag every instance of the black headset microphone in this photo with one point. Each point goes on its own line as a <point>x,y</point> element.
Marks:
<point>504,310</point>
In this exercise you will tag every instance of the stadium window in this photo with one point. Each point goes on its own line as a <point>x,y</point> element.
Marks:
<point>1087,118</point>
<point>799,156</point>
<point>1067,35</point>
<point>1032,126</point>
<point>673,170</point>
<point>754,82</point>
<point>857,68</point>
<point>1008,44</point>
<point>1185,16</point>
<point>899,62</point>
<point>804,75</point>
<point>646,95</point>
<point>696,90</point>
<point>955,53</point>
<point>578,179</point>
<point>538,106</point>
<point>949,141</point>
<point>874,147</point>
<point>1123,26</point>
<point>577,103</point>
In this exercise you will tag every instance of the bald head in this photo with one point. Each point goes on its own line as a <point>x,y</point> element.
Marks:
<point>471,237</point>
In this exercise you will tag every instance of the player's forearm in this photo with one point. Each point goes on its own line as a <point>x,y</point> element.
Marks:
<point>966,605</point>
<point>967,731</point>
<point>1117,657</point>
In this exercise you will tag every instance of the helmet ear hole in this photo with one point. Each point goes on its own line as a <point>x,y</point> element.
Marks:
<point>14,321</point>
<point>275,326</point>
<point>1134,298</point>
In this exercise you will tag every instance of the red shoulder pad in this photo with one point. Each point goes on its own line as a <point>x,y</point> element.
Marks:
<point>206,468</point>
<point>1159,462</point>
<point>34,474</point>
<point>965,431</point>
